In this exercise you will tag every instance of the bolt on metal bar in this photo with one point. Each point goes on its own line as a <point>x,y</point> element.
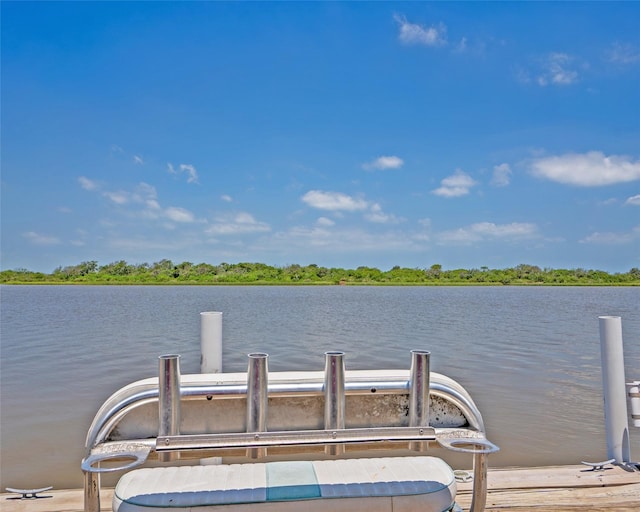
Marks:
<point>293,438</point>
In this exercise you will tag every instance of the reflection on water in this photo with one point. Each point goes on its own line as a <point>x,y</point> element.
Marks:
<point>530,357</point>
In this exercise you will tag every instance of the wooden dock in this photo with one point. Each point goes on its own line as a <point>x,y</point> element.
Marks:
<point>542,489</point>
<point>559,489</point>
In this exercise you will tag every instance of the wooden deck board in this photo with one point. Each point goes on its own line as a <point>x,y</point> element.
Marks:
<point>65,500</point>
<point>545,489</point>
<point>559,489</point>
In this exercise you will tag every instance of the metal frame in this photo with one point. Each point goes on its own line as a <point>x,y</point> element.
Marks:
<point>334,384</point>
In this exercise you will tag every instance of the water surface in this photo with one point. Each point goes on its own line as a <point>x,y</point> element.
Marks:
<point>530,357</point>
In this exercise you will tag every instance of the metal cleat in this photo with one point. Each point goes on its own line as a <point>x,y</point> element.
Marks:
<point>28,494</point>
<point>598,466</point>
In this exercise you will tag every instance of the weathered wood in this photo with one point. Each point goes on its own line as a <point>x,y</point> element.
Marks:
<point>559,489</point>
<point>67,500</point>
<point>543,489</point>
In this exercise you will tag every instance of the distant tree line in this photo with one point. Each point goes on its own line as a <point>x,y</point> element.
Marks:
<point>167,272</point>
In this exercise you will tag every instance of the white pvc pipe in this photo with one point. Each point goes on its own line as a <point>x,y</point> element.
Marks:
<point>211,354</point>
<point>211,342</point>
<point>614,389</point>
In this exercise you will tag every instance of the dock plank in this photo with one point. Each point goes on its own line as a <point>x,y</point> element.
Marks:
<point>64,500</point>
<point>543,489</point>
<point>558,489</point>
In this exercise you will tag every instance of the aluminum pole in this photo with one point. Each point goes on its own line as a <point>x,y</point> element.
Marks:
<point>91,492</point>
<point>169,400</point>
<point>614,389</point>
<point>334,396</point>
<point>257,398</point>
<point>419,378</point>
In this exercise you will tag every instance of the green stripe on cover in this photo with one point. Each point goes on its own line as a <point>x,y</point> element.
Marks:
<point>292,480</point>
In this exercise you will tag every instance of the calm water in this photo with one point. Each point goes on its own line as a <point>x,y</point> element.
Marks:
<point>530,357</point>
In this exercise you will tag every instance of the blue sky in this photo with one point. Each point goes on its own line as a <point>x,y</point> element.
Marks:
<point>342,134</point>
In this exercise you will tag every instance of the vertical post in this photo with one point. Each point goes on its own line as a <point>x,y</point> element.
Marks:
<point>169,400</point>
<point>91,492</point>
<point>479,496</point>
<point>614,389</point>
<point>634,401</point>
<point>419,377</point>
<point>334,397</point>
<point>257,399</point>
<point>211,342</point>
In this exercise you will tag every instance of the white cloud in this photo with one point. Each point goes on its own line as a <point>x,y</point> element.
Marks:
<point>138,160</point>
<point>146,195</point>
<point>238,223</point>
<point>488,231</point>
<point>501,175</point>
<point>592,169</point>
<point>384,162</point>
<point>142,194</point>
<point>333,201</point>
<point>411,33</point>
<point>119,197</point>
<point>152,204</point>
<point>192,173</point>
<point>515,229</point>
<point>178,214</point>
<point>461,47</point>
<point>303,237</point>
<point>609,238</point>
<point>633,200</point>
<point>557,69</point>
<point>324,222</point>
<point>145,190</point>
<point>87,184</point>
<point>344,240</point>
<point>624,53</point>
<point>226,198</point>
<point>39,239</point>
<point>456,185</point>
<point>376,215</point>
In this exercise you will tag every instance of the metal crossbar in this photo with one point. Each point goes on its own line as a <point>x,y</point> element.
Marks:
<point>293,438</point>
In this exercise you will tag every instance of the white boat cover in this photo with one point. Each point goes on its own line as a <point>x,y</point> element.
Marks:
<point>398,484</point>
